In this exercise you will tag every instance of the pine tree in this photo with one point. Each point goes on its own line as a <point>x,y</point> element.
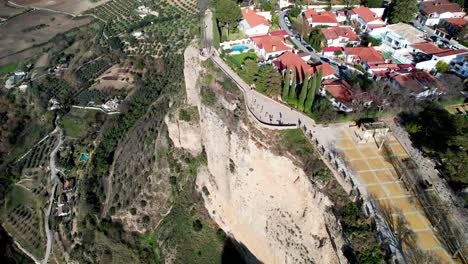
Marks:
<point>292,97</point>
<point>285,92</point>
<point>310,95</point>
<point>303,95</point>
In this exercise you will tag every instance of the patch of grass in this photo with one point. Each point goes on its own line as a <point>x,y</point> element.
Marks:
<point>452,101</point>
<point>208,96</point>
<point>240,58</point>
<point>72,127</point>
<point>8,68</point>
<point>188,114</point>
<point>297,143</point>
<point>78,121</point>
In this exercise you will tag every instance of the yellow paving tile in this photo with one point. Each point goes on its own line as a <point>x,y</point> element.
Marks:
<point>415,203</point>
<point>360,165</point>
<point>346,143</point>
<point>441,256</point>
<point>398,149</point>
<point>353,154</point>
<point>376,163</point>
<point>404,204</point>
<point>376,191</point>
<point>384,176</point>
<point>394,189</point>
<point>387,164</point>
<point>415,221</point>
<point>369,152</point>
<point>367,177</point>
<point>426,240</point>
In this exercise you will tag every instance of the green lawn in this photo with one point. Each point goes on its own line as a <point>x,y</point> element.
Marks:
<point>7,68</point>
<point>72,127</point>
<point>240,58</point>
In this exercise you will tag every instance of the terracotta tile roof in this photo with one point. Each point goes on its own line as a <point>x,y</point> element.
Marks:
<point>252,18</point>
<point>271,43</point>
<point>320,17</point>
<point>428,48</point>
<point>337,32</point>
<point>417,81</point>
<point>439,7</point>
<point>366,54</point>
<point>366,14</point>
<point>451,52</point>
<point>297,64</point>
<point>384,66</point>
<point>279,33</point>
<point>340,90</point>
<point>332,49</point>
<point>458,22</point>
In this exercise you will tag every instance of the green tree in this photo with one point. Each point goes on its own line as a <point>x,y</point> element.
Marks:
<point>442,66</point>
<point>268,81</point>
<point>228,13</point>
<point>316,39</point>
<point>249,70</point>
<point>373,3</point>
<point>285,91</point>
<point>303,95</point>
<point>292,97</point>
<point>403,11</point>
<point>310,96</point>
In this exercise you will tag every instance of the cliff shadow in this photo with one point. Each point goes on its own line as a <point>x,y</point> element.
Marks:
<point>234,252</point>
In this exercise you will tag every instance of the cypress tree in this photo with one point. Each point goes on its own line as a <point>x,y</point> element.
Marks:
<point>285,92</point>
<point>310,95</point>
<point>292,97</point>
<point>303,95</point>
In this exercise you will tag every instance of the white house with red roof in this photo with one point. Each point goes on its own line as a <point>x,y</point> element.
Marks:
<point>450,27</point>
<point>254,23</point>
<point>419,84</point>
<point>320,18</point>
<point>363,56</point>
<point>332,51</point>
<point>366,19</point>
<point>298,65</point>
<point>340,36</point>
<point>339,93</point>
<point>271,46</point>
<point>446,56</point>
<point>431,12</point>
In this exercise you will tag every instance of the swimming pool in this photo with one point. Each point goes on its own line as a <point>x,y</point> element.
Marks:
<point>84,157</point>
<point>239,48</point>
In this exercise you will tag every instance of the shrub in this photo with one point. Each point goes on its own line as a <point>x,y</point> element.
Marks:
<point>197,225</point>
<point>208,96</point>
<point>184,115</point>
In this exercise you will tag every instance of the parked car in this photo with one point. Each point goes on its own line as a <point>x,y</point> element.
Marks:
<point>434,38</point>
<point>309,48</point>
<point>325,59</point>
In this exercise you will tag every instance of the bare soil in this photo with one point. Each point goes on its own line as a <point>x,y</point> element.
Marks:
<point>7,11</point>
<point>116,77</point>
<point>75,7</point>
<point>34,28</point>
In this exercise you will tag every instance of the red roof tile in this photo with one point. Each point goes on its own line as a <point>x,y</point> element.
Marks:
<point>332,49</point>
<point>428,48</point>
<point>271,43</point>
<point>337,32</point>
<point>366,14</point>
<point>339,90</point>
<point>297,64</point>
<point>320,17</point>
<point>417,81</point>
<point>366,54</point>
<point>252,18</point>
<point>458,22</point>
<point>451,52</point>
<point>439,7</point>
<point>279,33</point>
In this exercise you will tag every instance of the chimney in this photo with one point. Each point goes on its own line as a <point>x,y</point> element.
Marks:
<point>274,48</point>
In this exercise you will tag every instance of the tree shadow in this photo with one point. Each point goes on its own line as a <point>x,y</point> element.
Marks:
<point>234,252</point>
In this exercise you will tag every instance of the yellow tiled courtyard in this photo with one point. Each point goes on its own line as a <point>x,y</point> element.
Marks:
<point>380,179</point>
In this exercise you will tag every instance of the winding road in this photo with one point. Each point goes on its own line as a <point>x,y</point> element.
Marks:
<point>54,181</point>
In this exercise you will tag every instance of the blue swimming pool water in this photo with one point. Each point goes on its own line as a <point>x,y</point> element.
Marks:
<point>84,157</point>
<point>239,48</point>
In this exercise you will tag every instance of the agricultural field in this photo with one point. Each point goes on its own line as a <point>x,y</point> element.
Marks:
<point>52,87</point>
<point>38,156</point>
<point>74,7</point>
<point>90,71</point>
<point>7,11</point>
<point>117,77</point>
<point>34,28</point>
<point>79,122</point>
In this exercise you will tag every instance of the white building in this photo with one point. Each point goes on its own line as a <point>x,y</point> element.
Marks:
<point>459,65</point>
<point>254,23</point>
<point>447,57</point>
<point>431,12</point>
<point>366,18</point>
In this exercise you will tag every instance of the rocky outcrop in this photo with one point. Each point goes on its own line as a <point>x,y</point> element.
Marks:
<point>184,134</point>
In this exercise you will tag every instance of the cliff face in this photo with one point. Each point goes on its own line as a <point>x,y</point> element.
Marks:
<point>260,198</point>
